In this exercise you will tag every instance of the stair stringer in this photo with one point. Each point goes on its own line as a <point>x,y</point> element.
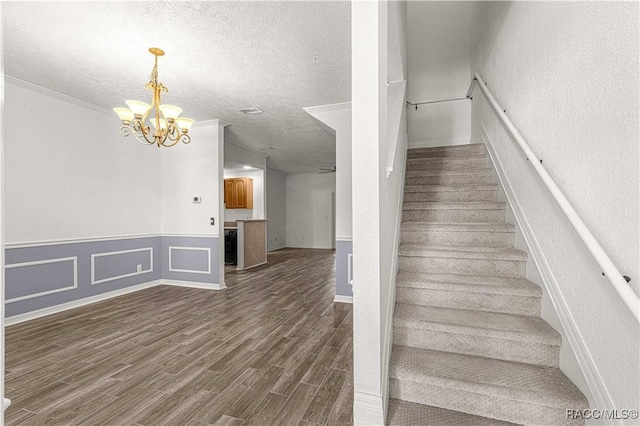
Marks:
<point>575,360</point>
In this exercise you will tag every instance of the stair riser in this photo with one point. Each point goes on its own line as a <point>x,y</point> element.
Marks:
<point>445,165</point>
<point>445,180</point>
<point>473,402</point>
<point>488,347</point>
<point>453,215</point>
<point>439,265</point>
<point>447,153</point>
<point>451,196</point>
<point>501,303</point>
<point>451,238</point>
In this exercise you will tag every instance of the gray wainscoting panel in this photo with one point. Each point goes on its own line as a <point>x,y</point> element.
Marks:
<point>343,249</point>
<point>110,266</point>
<point>40,278</point>
<point>34,286</point>
<point>190,259</point>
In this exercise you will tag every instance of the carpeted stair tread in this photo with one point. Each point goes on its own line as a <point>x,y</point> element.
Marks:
<point>469,283</point>
<point>403,413</point>
<point>448,147</point>
<point>421,164</point>
<point>462,252</point>
<point>446,151</point>
<point>459,205</point>
<point>452,187</point>
<point>448,173</point>
<point>532,384</point>
<point>478,323</point>
<point>458,227</point>
<point>448,160</point>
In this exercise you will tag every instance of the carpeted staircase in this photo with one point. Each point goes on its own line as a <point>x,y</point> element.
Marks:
<point>469,345</point>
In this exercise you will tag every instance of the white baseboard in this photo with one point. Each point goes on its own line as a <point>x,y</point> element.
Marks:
<point>193,284</point>
<point>343,299</point>
<point>16,319</point>
<point>6,403</point>
<point>368,409</point>
<point>276,249</point>
<point>434,143</point>
<point>583,356</point>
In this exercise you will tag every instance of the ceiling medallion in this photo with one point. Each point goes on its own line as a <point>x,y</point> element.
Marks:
<point>169,129</point>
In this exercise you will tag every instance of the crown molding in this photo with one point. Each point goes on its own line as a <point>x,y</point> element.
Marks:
<point>327,108</point>
<point>53,94</point>
<point>214,122</point>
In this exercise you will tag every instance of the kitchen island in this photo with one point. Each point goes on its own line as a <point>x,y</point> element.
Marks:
<point>251,243</point>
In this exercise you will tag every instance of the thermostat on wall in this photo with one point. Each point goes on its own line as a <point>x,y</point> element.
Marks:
<point>197,199</point>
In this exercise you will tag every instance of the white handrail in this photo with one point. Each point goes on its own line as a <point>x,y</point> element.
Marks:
<point>608,268</point>
<point>416,103</point>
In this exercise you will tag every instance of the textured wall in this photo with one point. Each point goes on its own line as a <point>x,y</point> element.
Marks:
<point>309,211</point>
<point>188,171</point>
<point>276,210</point>
<point>567,74</point>
<point>69,172</point>
<point>439,42</point>
<point>337,120</point>
<point>376,197</point>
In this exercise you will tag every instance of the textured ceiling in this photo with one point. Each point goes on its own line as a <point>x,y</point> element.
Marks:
<point>220,57</point>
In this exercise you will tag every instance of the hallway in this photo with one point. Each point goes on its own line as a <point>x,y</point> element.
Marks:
<point>272,348</point>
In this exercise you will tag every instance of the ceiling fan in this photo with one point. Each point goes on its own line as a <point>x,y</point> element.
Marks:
<point>326,170</point>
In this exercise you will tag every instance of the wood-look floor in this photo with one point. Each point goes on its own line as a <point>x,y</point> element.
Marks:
<point>272,348</point>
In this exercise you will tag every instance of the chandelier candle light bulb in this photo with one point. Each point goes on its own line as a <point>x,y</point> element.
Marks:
<point>169,129</point>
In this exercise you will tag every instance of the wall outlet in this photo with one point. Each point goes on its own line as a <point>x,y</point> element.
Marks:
<point>139,269</point>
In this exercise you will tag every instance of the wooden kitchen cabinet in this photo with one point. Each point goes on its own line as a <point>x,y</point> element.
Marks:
<point>238,193</point>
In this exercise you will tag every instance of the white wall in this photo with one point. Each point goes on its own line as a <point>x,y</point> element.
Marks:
<point>72,173</point>
<point>2,220</point>
<point>376,199</point>
<point>439,37</point>
<point>567,73</point>
<point>309,210</point>
<point>193,170</point>
<point>259,186</point>
<point>276,210</point>
<point>336,119</point>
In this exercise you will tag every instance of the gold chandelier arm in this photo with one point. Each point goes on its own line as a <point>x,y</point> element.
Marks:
<point>184,138</point>
<point>173,133</point>
<point>140,132</point>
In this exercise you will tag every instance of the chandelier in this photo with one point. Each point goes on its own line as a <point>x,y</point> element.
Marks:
<point>169,129</point>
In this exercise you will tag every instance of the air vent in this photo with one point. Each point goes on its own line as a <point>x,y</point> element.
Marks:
<point>251,110</point>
